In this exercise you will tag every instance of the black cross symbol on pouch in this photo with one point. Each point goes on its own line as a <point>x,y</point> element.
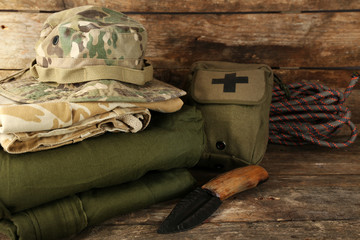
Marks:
<point>230,81</point>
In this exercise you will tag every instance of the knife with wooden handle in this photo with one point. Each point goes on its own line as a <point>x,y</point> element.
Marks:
<point>199,204</point>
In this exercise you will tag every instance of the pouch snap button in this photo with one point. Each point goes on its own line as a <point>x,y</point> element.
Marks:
<point>219,166</point>
<point>220,145</point>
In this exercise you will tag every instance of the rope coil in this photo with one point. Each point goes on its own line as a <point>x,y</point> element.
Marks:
<point>310,113</point>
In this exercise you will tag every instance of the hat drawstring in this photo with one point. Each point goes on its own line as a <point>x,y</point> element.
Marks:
<point>14,75</point>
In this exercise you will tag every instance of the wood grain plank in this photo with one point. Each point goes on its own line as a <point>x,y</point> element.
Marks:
<point>257,230</point>
<point>330,78</point>
<point>281,198</point>
<point>315,150</point>
<point>312,160</point>
<point>176,41</point>
<point>186,5</point>
<point>19,33</point>
<point>32,5</point>
<point>279,40</point>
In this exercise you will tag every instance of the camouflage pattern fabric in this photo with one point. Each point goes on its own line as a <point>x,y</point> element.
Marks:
<point>90,35</point>
<point>26,89</point>
<point>35,127</point>
<point>117,120</point>
<point>91,38</point>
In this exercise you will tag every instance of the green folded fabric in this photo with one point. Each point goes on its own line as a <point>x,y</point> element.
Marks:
<point>171,141</point>
<point>68,216</point>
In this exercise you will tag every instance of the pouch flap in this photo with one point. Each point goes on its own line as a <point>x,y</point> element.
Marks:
<point>245,85</point>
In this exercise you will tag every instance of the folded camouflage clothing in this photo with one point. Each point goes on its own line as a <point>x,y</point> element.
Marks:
<point>89,77</point>
<point>41,126</point>
<point>116,119</point>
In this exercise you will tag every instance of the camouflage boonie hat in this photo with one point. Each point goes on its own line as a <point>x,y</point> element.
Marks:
<point>89,54</point>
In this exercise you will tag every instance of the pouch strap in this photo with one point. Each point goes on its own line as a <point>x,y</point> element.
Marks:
<point>91,73</point>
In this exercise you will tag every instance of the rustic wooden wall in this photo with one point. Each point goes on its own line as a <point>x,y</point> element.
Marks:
<point>313,195</point>
<point>301,40</point>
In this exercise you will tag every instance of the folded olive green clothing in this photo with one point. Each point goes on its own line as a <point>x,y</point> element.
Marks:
<point>70,215</point>
<point>171,141</point>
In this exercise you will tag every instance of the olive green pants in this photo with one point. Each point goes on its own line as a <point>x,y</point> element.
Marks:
<point>67,216</point>
<point>56,193</point>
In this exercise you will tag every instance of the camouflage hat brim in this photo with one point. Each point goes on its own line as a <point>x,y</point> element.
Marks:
<point>91,73</point>
<point>26,89</point>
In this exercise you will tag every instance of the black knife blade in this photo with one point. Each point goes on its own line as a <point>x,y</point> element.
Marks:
<point>201,203</point>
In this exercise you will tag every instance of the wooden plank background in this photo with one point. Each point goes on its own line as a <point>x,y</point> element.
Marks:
<point>187,5</point>
<point>319,38</point>
<point>312,192</point>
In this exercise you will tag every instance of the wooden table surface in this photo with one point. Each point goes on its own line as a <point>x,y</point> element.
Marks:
<point>312,193</point>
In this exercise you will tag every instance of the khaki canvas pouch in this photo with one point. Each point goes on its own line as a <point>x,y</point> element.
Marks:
<point>235,102</point>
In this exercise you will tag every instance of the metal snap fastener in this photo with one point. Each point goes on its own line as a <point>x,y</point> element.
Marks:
<point>219,166</point>
<point>220,145</point>
<point>55,40</point>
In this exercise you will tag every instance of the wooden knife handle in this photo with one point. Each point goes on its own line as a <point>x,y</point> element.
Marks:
<point>237,180</point>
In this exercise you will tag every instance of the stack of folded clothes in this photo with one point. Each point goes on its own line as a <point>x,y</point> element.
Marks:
<point>90,78</point>
<point>28,127</point>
